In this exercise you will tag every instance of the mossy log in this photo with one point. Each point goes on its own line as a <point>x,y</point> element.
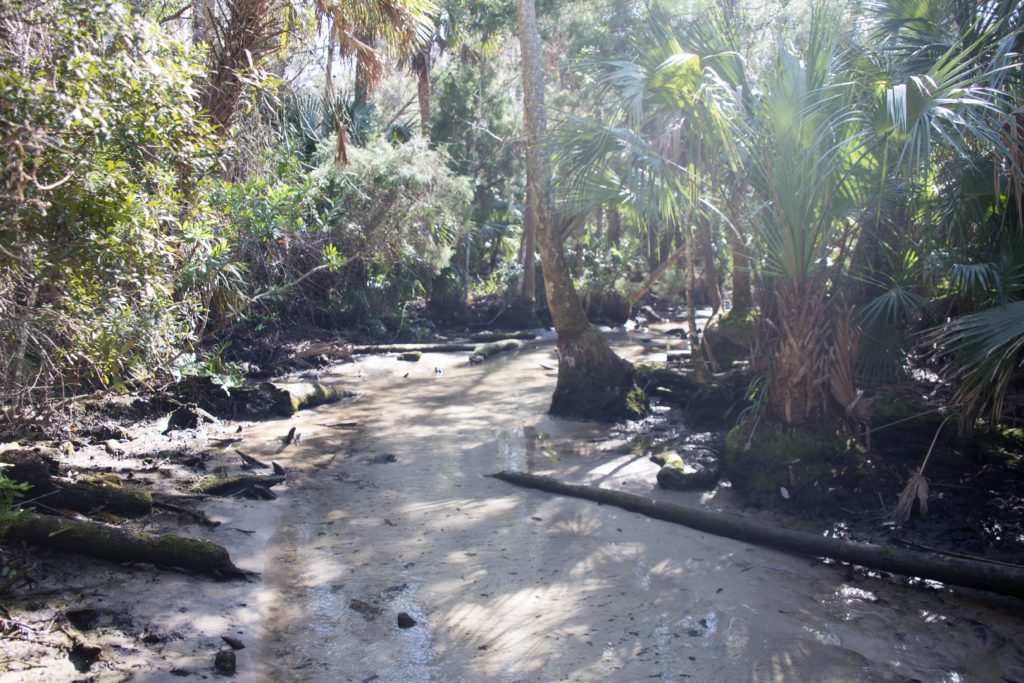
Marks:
<point>289,398</point>
<point>484,351</point>
<point>106,496</point>
<point>118,545</point>
<point>454,346</point>
<point>978,574</point>
<point>484,337</point>
<point>106,493</point>
<point>234,486</point>
<point>437,347</point>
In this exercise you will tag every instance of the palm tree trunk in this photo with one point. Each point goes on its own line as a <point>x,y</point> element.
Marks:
<point>614,227</point>
<point>742,299</point>
<point>592,381</point>
<point>421,65</point>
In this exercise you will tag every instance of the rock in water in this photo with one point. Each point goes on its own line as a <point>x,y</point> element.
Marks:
<point>677,476</point>
<point>405,621</point>
<point>224,663</point>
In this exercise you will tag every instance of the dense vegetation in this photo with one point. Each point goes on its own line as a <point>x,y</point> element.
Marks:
<point>844,178</point>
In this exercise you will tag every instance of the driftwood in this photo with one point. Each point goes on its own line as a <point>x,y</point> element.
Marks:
<point>258,487</point>
<point>453,346</point>
<point>291,397</point>
<point>249,462</point>
<point>484,351</point>
<point>118,545</point>
<point>436,347</point>
<point>170,503</point>
<point>996,578</point>
<point>485,337</point>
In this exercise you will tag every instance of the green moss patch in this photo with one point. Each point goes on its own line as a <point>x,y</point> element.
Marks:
<point>777,457</point>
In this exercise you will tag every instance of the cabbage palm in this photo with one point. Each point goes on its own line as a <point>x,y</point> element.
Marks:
<point>946,124</point>
<point>655,153</point>
<point>592,381</point>
<point>371,31</point>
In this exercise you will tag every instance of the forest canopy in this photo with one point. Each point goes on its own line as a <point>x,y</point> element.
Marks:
<point>840,180</point>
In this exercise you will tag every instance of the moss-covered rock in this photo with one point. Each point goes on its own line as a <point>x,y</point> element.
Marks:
<point>676,474</point>
<point>776,457</point>
<point>410,356</point>
<point>731,336</point>
<point>606,306</point>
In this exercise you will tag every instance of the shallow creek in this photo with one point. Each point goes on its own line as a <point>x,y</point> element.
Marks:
<point>395,515</point>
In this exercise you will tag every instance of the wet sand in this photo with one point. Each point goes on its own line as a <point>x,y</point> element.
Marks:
<point>507,584</point>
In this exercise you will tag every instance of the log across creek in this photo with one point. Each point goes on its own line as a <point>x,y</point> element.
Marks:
<point>980,574</point>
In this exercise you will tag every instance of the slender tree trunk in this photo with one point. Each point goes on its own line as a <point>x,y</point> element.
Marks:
<point>614,227</point>
<point>696,355</point>
<point>421,65</point>
<point>742,299</point>
<point>529,292</point>
<point>711,279</point>
<point>592,381</point>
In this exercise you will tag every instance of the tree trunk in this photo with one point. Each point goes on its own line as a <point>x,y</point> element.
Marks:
<point>797,385</point>
<point>529,291</point>
<point>742,299</point>
<point>238,46</point>
<point>696,355</point>
<point>421,65</point>
<point>592,381</point>
<point>711,279</point>
<point>742,295</point>
<point>614,227</point>
<point>988,576</point>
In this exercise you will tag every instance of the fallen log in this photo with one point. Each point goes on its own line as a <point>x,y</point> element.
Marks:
<point>118,545</point>
<point>289,398</point>
<point>484,351</point>
<point>436,347</point>
<point>996,578</point>
<point>235,486</point>
<point>453,346</point>
<point>484,337</point>
<point>104,492</point>
<point>103,495</point>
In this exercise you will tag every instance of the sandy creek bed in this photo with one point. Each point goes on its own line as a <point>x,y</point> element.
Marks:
<point>509,584</point>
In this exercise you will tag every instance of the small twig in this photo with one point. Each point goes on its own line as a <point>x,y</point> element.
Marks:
<point>932,447</point>
<point>176,15</point>
<point>906,419</point>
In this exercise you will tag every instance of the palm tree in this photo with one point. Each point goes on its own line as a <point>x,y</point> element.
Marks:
<point>592,381</point>
<point>370,31</point>
<point>659,153</point>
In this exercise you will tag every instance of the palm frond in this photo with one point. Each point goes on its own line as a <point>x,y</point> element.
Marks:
<point>984,351</point>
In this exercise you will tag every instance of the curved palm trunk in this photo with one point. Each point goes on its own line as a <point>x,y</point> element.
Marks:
<point>593,382</point>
